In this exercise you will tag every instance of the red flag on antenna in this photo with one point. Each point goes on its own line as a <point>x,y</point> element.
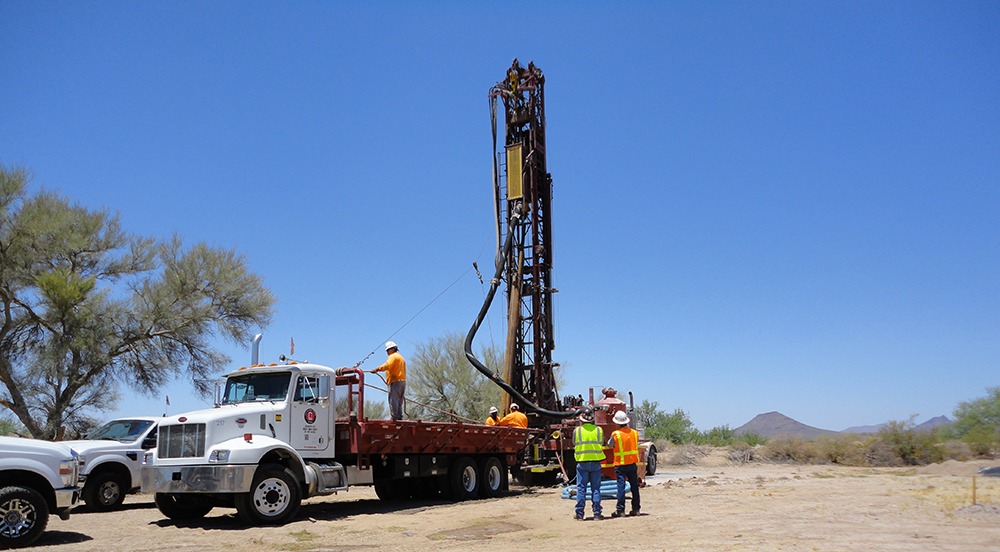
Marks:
<point>292,352</point>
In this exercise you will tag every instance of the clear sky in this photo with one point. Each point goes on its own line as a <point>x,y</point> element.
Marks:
<point>758,206</point>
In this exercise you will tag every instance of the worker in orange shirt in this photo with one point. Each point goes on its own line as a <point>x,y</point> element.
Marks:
<point>395,370</point>
<point>516,418</point>
<point>625,446</point>
<point>494,416</point>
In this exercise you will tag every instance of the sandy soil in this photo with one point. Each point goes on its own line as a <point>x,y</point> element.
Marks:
<point>707,507</point>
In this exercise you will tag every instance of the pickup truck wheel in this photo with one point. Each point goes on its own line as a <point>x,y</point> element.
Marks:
<point>23,516</point>
<point>465,478</point>
<point>105,492</point>
<point>274,497</point>
<point>182,506</point>
<point>494,477</point>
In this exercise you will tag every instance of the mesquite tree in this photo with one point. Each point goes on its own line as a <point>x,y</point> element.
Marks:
<point>88,307</point>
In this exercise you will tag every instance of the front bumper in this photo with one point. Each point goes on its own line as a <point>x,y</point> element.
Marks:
<point>197,479</point>
<point>66,500</point>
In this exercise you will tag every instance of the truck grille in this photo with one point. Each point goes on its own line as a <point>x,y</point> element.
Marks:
<point>181,441</point>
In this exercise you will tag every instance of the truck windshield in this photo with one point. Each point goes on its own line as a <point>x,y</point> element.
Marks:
<point>256,387</point>
<point>121,430</point>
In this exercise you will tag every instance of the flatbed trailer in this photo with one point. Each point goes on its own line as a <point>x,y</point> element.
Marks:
<point>416,458</point>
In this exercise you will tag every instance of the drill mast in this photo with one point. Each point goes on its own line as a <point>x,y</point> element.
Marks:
<point>520,177</point>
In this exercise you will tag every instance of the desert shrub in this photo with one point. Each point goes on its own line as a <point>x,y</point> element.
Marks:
<point>956,450</point>
<point>684,455</point>
<point>720,436</point>
<point>913,448</point>
<point>789,449</point>
<point>753,439</point>
<point>743,453</point>
<point>981,440</point>
<point>845,450</point>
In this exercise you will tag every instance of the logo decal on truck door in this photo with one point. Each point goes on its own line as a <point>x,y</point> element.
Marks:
<point>310,416</point>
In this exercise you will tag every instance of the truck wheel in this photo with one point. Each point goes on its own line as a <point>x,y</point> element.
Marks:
<point>494,477</point>
<point>105,492</point>
<point>464,477</point>
<point>274,497</point>
<point>651,460</point>
<point>182,506</point>
<point>23,516</point>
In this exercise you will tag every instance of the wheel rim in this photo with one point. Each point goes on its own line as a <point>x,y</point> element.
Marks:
<point>271,497</point>
<point>109,492</point>
<point>493,478</point>
<point>469,479</point>
<point>17,517</point>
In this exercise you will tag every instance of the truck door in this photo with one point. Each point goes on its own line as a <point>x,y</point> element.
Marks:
<point>311,418</point>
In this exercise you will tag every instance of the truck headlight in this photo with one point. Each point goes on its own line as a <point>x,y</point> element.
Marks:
<point>68,473</point>
<point>220,456</point>
<point>83,460</point>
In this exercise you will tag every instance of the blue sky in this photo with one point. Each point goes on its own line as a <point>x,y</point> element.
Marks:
<point>757,206</point>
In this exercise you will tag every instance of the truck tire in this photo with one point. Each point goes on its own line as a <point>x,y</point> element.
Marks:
<point>465,478</point>
<point>23,516</point>
<point>494,477</point>
<point>182,506</point>
<point>274,497</point>
<point>105,492</point>
<point>651,460</point>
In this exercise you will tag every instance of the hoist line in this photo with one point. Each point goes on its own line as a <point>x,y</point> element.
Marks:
<point>427,406</point>
<point>412,318</point>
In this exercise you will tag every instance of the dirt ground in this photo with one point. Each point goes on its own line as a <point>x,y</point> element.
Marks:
<point>711,506</point>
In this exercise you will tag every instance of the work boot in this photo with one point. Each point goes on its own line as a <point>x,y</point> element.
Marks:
<point>633,513</point>
<point>578,517</point>
<point>618,513</point>
<point>598,517</point>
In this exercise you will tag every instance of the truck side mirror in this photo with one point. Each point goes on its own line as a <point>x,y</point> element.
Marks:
<point>324,387</point>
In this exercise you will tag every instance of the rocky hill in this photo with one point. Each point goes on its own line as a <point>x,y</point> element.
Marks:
<point>775,424</point>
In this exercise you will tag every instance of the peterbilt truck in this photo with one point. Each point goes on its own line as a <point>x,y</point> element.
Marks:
<point>287,431</point>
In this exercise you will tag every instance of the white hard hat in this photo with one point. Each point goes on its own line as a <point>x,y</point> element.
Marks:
<point>513,406</point>
<point>493,410</point>
<point>621,418</point>
<point>390,345</point>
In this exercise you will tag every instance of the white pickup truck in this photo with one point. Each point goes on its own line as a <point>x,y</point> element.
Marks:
<point>36,478</point>
<point>111,460</point>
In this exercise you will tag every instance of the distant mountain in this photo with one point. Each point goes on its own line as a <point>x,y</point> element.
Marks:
<point>929,425</point>
<point>776,424</point>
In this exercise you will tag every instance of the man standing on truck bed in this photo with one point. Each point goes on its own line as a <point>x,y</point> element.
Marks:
<point>395,370</point>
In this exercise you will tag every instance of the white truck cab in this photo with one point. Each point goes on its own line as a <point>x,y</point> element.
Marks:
<point>268,442</point>
<point>111,460</point>
<point>36,478</point>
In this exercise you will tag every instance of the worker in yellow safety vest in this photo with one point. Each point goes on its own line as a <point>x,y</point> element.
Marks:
<point>516,418</point>
<point>588,450</point>
<point>494,416</point>
<point>625,446</point>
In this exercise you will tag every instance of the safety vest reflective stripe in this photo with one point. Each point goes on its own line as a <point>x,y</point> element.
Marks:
<point>588,444</point>
<point>626,448</point>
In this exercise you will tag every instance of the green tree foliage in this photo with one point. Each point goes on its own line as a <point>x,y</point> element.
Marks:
<point>676,428</point>
<point>87,306</point>
<point>10,427</point>
<point>440,381</point>
<point>977,422</point>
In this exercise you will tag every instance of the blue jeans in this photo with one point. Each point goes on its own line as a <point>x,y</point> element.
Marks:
<point>628,472</point>
<point>588,473</point>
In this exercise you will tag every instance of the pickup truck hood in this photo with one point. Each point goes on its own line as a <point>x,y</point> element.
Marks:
<point>11,446</point>
<point>87,446</point>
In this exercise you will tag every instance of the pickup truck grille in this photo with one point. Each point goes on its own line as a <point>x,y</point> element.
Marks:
<point>181,441</point>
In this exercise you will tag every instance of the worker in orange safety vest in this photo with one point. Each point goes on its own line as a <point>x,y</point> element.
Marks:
<point>516,418</point>
<point>494,416</point>
<point>625,446</point>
